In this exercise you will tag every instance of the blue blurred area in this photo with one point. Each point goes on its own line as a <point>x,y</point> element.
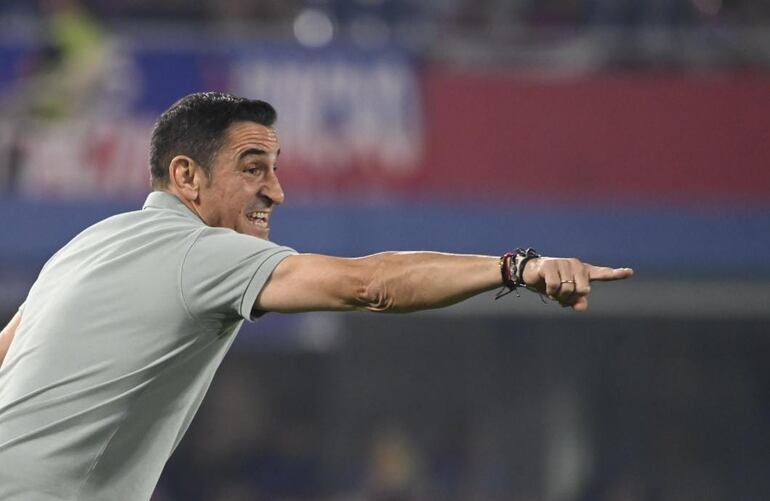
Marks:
<point>10,57</point>
<point>167,75</point>
<point>656,242</point>
<point>190,64</point>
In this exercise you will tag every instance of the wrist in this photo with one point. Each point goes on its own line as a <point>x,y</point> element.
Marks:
<point>530,271</point>
<point>513,265</point>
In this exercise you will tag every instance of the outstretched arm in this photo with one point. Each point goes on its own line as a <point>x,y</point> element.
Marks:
<point>411,281</point>
<point>6,336</point>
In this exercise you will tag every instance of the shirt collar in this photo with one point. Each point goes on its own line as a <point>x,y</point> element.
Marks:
<point>165,200</point>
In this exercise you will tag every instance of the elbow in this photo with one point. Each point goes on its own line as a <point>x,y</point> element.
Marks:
<point>378,288</point>
<point>373,296</point>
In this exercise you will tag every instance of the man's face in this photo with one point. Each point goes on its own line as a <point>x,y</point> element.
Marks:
<point>244,187</point>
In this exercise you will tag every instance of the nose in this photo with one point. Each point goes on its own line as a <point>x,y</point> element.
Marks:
<point>272,189</point>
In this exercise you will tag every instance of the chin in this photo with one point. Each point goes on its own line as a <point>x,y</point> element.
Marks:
<point>251,230</point>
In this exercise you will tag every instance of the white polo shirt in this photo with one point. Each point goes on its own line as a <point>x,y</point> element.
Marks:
<point>119,339</point>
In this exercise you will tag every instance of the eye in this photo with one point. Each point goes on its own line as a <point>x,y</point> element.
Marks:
<point>254,169</point>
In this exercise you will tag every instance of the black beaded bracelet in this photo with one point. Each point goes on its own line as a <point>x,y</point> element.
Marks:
<point>512,269</point>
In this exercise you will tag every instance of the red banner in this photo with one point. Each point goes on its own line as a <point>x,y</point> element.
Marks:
<point>638,136</point>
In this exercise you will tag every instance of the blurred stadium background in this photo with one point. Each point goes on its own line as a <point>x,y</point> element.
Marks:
<point>629,133</point>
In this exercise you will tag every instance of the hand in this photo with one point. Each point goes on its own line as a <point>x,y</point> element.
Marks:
<point>568,280</point>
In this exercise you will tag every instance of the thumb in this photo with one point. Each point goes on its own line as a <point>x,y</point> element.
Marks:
<point>581,304</point>
<point>606,274</point>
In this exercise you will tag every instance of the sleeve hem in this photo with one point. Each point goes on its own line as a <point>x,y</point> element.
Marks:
<point>258,280</point>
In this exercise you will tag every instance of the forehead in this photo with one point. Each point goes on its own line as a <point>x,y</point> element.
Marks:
<point>242,136</point>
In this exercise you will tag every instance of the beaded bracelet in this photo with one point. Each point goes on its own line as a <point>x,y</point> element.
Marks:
<point>512,269</point>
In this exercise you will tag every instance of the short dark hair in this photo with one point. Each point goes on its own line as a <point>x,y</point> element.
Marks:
<point>196,126</point>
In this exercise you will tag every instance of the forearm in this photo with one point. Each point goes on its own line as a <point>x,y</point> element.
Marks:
<point>409,281</point>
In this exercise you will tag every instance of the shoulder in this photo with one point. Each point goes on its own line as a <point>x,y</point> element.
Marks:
<point>224,242</point>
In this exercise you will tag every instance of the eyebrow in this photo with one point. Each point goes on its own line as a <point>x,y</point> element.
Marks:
<point>256,151</point>
<point>252,151</point>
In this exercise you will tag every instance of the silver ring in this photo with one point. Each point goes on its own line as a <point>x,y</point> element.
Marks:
<point>568,281</point>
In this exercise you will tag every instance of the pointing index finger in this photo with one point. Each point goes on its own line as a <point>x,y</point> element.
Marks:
<point>606,274</point>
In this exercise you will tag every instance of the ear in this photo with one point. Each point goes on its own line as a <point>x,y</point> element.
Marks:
<point>186,177</point>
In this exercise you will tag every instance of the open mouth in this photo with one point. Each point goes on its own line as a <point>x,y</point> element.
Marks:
<point>259,218</point>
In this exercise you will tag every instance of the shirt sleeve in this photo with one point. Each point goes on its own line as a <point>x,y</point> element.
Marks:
<point>224,271</point>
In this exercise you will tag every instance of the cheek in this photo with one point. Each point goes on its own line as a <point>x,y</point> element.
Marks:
<point>232,208</point>
<point>220,206</point>
<point>226,197</point>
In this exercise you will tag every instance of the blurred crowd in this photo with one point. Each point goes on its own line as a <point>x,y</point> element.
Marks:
<point>564,35</point>
<point>399,16</point>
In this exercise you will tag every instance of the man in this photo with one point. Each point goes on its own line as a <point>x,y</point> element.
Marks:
<point>112,351</point>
